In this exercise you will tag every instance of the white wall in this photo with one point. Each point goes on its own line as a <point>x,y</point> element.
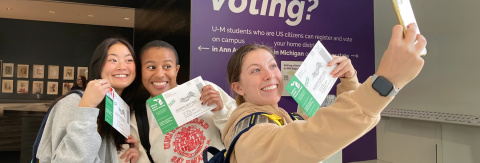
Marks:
<point>452,30</point>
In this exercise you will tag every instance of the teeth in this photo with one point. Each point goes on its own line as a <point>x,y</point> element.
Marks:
<point>269,87</point>
<point>159,83</point>
<point>120,76</point>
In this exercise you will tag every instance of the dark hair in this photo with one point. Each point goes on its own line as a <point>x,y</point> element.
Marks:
<point>158,44</point>
<point>84,81</point>
<point>96,65</point>
<point>234,67</point>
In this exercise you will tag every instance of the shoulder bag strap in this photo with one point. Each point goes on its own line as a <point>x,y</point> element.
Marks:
<point>143,127</point>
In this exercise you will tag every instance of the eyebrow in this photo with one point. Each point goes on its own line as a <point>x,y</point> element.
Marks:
<point>126,55</point>
<point>155,62</point>
<point>259,64</point>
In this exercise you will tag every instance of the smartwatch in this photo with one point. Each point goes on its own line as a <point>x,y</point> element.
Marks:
<point>383,86</point>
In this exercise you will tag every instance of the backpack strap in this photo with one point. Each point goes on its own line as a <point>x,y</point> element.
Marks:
<point>143,127</point>
<point>295,116</point>
<point>251,120</point>
<point>232,145</point>
<point>240,128</point>
<point>256,118</point>
<point>42,128</point>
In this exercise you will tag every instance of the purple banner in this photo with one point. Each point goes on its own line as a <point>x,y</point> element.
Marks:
<point>290,27</point>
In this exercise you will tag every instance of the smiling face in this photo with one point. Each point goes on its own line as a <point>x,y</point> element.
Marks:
<point>119,67</point>
<point>159,70</point>
<point>260,79</point>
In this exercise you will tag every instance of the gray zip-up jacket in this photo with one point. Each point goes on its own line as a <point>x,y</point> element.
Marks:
<point>71,135</point>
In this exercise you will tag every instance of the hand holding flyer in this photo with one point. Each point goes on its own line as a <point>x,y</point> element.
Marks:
<point>179,105</point>
<point>117,113</point>
<point>312,81</point>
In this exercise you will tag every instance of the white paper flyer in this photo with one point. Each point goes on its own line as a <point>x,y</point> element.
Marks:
<point>179,105</point>
<point>312,82</point>
<point>117,113</point>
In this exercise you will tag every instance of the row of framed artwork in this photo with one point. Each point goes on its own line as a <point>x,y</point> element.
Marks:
<point>39,71</point>
<point>37,87</point>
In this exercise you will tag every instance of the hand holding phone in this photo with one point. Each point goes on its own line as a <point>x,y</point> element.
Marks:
<point>404,12</point>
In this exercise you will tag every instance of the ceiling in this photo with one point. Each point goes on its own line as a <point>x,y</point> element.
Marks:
<point>67,12</point>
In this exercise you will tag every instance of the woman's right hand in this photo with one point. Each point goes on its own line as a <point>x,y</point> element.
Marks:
<point>401,62</point>
<point>132,153</point>
<point>94,93</point>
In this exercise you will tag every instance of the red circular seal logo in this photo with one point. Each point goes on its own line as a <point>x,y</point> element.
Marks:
<point>189,141</point>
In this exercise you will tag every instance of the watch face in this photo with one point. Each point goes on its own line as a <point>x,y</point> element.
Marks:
<point>382,86</point>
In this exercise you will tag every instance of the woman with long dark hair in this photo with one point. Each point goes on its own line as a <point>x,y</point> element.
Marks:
<point>76,130</point>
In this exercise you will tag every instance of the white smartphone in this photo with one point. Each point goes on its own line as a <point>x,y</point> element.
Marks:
<point>404,12</point>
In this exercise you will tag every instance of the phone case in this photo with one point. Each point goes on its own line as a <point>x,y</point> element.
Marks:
<point>405,16</point>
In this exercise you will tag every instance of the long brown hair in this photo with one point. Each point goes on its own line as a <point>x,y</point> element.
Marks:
<point>234,67</point>
<point>96,65</point>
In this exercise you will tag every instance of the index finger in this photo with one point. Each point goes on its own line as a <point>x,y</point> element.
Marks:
<point>337,60</point>
<point>206,87</point>
<point>397,33</point>
<point>132,140</point>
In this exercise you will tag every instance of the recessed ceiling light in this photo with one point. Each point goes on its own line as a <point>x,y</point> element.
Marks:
<point>51,12</point>
<point>90,15</point>
<point>126,18</point>
<point>9,8</point>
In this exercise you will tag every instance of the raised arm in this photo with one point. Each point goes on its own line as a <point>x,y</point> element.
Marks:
<point>215,94</point>
<point>334,127</point>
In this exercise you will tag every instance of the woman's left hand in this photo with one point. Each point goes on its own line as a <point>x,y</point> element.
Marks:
<point>211,96</point>
<point>344,69</point>
<point>133,152</point>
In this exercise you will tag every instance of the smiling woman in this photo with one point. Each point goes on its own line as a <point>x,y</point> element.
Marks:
<point>256,79</point>
<point>77,129</point>
<point>119,68</point>
<point>43,44</point>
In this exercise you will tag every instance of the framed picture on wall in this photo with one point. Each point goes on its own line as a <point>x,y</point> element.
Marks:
<point>52,88</point>
<point>82,71</point>
<point>37,87</point>
<point>22,71</point>
<point>22,87</point>
<point>8,69</point>
<point>53,71</point>
<point>38,71</point>
<point>7,86</point>
<point>67,86</point>
<point>68,72</point>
